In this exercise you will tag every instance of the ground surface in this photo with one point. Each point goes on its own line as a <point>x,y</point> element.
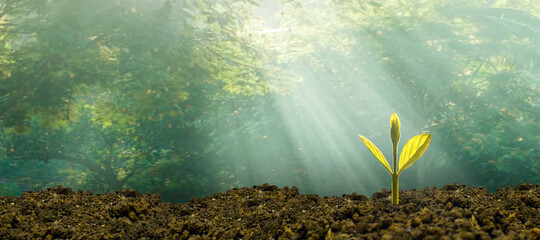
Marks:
<point>266,212</point>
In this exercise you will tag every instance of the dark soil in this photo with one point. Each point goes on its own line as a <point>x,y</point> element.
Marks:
<point>267,212</point>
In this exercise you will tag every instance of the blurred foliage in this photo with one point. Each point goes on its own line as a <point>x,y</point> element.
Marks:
<point>9,189</point>
<point>122,87</point>
<point>166,96</point>
<point>470,68</point>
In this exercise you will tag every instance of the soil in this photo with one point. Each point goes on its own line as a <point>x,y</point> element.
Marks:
<point>268,212</point>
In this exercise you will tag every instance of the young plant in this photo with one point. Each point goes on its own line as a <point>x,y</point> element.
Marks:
<point>412,150</point>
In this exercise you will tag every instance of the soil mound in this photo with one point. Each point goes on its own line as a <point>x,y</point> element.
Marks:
<point>268,212</point>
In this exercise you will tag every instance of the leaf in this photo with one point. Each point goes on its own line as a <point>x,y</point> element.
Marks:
<point>413,149</point>
<point>376,152</point>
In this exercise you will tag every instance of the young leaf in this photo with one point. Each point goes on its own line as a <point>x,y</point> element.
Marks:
<point>412,150</point>
<point>395,124</point>
<point>376,152</point>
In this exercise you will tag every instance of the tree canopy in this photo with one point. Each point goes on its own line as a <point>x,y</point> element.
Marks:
<point>178,96</point>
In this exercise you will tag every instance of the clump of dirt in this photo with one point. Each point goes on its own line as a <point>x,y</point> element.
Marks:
<point>268,212</point>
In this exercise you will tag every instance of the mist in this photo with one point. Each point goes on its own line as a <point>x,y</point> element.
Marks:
<point>189,99</point>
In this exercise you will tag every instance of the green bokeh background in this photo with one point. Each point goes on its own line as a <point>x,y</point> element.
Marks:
<point>189,98</point>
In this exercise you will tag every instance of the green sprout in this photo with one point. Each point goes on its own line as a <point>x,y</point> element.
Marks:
<point>412,150</point>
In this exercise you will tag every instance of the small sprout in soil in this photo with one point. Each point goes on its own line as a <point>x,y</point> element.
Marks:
<point>413,149</point>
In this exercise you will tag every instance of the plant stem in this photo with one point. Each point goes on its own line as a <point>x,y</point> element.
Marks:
<point>395,188</point>
<point>395,176</point>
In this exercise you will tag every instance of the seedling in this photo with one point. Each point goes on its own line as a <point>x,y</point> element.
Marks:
<point>413,149</point>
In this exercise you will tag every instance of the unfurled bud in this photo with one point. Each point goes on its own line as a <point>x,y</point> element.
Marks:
<point>394,129</point>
